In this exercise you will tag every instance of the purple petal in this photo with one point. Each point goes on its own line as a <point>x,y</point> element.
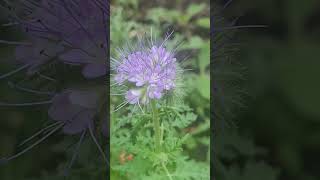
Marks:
<point>133,96</point>
<point>61,109</point>
<point>94,70</point>
<point>76,56</point>
<point>80,122</point>
<point>87,99</point>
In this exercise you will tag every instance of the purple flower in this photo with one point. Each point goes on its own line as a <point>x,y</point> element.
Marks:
<point>149,73</point>
<point>77,111</point>
<point>72,32</point>
<point>74,108</point>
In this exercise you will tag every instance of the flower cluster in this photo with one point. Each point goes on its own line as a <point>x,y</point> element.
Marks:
<point>73,33</point>
<point>63,33</point>
<point>150,73</point>
<point>75,108</point>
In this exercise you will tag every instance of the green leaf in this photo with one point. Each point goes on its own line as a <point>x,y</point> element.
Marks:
<point>185,120</point>
<point>195,42</point>
<point>203,22</point>
<point>161,14</point>
<point>189,169</point>
<point>194,9</point>
<point>204,57</point>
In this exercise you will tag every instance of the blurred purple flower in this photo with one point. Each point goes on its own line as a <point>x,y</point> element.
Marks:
<point>74,108</point>
<point>73,32</point>
<point>74,112</point>
<point>77,111</point>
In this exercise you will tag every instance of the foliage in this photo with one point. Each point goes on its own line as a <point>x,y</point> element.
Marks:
<point>132,135</point>
<point>184,126</point>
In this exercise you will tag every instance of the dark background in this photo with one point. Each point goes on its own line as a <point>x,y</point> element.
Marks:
<point>282,103</point>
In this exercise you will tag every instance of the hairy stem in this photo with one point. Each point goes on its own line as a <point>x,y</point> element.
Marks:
<point>158,135</point>
<point>156,126</point>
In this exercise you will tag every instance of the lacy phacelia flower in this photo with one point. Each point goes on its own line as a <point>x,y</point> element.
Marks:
<point>58,32</point>
<point>71,32</point>
<point>76,109</point>
<point>150,73</point>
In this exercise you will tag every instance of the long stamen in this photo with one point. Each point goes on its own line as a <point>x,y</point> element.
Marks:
<point>46,77</point>
<point>14,71</point>
<point>140,107</point>
<point>26,104</point>
<point>227,4</point>
<point>10,24</point>
<point>117,94</point>
<point>4,160</point>
<point>97,144</point>
<point>75,154</point>
<point>38,133</point>
<point>166,39</point>
<point>239,27</point>
<point>29,90</point>
<point>79,23</point>
<point>15,43</point>
<point>104,9</point>
<point>121,105</point>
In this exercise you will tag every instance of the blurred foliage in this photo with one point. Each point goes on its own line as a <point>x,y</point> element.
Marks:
<point>190,22</point>
<point>282,70</point>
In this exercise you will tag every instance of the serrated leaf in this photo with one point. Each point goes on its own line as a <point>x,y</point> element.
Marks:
<point>184,120</point>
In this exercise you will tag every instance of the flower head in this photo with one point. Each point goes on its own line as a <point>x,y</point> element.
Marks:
<point>74,108</point>
<point>149,73</point>
<point>55,33</point>
<point>70,32</point>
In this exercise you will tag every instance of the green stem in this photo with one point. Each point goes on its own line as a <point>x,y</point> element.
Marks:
<point>166,170</point>
<point>158,134</point>
<point>156,126</point>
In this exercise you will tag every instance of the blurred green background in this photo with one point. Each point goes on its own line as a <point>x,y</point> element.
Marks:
<point>282,101</point>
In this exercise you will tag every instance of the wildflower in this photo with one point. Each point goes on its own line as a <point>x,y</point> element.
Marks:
<point>149,72</point>
<point>68,32</point>
<point>63,31</point>
<point>74,108</point>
